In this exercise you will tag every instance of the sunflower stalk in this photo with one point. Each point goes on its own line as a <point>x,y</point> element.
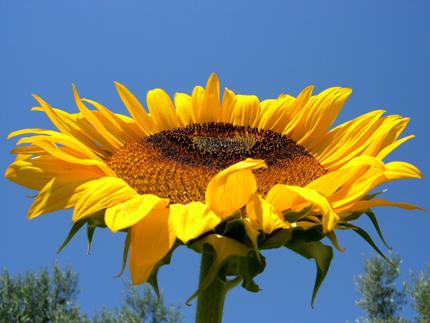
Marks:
<point>210,301</point>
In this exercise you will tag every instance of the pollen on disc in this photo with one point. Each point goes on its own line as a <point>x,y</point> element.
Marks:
<point>178,164</point>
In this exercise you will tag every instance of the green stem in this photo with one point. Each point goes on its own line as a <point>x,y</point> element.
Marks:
<point>210,302</point>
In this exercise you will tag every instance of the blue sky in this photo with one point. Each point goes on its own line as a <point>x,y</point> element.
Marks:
<point>378,48</point>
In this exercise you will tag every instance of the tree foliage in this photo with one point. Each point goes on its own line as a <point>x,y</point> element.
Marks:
<point>380,297</point>
<point>41,297</point>
<point>420,293</point>
<point>383,297</point>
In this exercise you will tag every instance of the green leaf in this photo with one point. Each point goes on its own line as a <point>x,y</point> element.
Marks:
<point>90,234</point>
<point>277,239</point>
<point>235,229</point>
<point>375,223</point>
<point>362,233</point>
<point>222,248</point>
<point>75,228</point>
<point>154,275</point>
<point>292,216</point>
<point>124,253</point>
<point>322,255</point>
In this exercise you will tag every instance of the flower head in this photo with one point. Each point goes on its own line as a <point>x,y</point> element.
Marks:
<point>237,175</point>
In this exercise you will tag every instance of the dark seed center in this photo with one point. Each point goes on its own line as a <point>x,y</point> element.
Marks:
<point>178,164</point>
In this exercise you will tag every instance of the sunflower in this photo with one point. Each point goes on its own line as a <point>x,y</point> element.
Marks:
<point>227,177</point>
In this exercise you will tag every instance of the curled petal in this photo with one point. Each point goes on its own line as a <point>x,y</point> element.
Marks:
<point>151,240</point>
<point>192,220</point>
<point>265,216</point>
<point>126,214</point>
<point>232,188</point>
<point>285,197</point>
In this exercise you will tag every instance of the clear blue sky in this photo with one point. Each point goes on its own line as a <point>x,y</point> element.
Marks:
<point>380,49</point>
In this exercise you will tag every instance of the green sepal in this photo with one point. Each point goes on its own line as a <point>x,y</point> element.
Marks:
<point>90,233</point>
<point>153,278</point>
<point>322,255</point>
<point>235,229</point>
<point>375,223</point>
<point>313,234</point>
<point>362,233</point>
<point>75,228</point>
<point>247,268</point>
<point>355,215</point>
<point>125,253</point>
<point>277,239</point>
<point>292,216</point>
<point>222,249</point>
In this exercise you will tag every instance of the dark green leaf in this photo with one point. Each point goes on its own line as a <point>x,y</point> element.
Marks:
<point>154,275</point>
<point>322,255</point>
<point>292,216</point>
<point>90,234</point>
<point>277,239</point>
<point>124,253</point>
<point>75,228</point>
<point>375,223</point>
<point>366,237</point>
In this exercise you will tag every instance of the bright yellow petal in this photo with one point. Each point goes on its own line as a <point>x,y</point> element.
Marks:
<point>56,196</point>
<point>245,110</point>
<point>137,111</point>
<point>122,127</point>
<point>325,111</point>
<point>125,214</point>
<point>184,108</point>
<point>198,97</point>
<point>151,239</point>
<point>265,215</point>
<point>284,197</point>
<point>35,173</point>
<point>107,140</point>
<point>192,220</point>
<point>367,204</point>
<point>226,106</point>
<point>101,194</point>
<point>211,104</point>
<point>162,110</point>
<point>232,188</point>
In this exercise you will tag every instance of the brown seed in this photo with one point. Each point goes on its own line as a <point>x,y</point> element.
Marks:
<point>178,164</point>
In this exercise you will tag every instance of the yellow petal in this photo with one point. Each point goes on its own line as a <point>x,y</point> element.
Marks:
<point>198,97</point>
<point>162,110</point>
<point>245,110</point>
<point>107,140</point>
<point>265,215</point>
<point>35,173</point>
<point>101,194</point>
<point>184,108</point>
<point>367,204</point>
<point>388,149</point>
<point>125,214</point>
<point>56,196</point>
<point>324,113</point>
<point>151,239</point>
<point>211,104</point>
<point>137,111</point>
<point>226,106</point>
<point>67,124</point>
<point>192,220</point>
<point>284,197</point>
<point>122,127</point>
<point>232,188</point>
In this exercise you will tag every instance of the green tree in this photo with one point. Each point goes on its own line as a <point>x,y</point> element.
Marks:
<point>40,297</point>
<point>420,293</point>
<point>380,297</point>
